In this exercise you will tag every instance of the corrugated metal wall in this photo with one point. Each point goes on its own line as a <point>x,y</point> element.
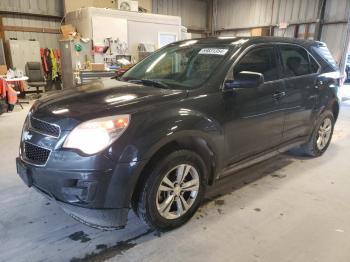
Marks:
<point>256,13</point>
<point>245,14</point>
<point>43,7</point>
<point>335,34</point>
<point>192,12</point>
<point>230,15</point>
<point>242,13</point>
<point>35,8</point>
<point>45,39</point>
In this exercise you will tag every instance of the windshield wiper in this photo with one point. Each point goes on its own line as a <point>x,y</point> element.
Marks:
<point>152,82</point>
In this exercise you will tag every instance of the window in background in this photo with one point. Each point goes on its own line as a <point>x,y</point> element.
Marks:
<point>166,38</point>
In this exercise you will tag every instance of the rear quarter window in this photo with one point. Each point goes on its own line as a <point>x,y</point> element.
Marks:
<point>324,52</point>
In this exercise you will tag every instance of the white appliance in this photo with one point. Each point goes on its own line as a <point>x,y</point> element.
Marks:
<point>128,5</point>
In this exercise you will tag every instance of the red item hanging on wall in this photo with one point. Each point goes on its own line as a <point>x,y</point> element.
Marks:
<point>43,60</point>
<point>3,88</point>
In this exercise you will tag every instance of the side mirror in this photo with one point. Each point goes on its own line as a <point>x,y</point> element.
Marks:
<point>245,79</point>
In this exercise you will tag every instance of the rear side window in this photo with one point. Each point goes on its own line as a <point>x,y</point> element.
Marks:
<point>323,51</point>
<point>261,60</point>
<point>296,61</point>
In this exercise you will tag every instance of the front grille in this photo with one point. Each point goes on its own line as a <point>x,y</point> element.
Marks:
<point>36,154</point>
<point>44,127</point>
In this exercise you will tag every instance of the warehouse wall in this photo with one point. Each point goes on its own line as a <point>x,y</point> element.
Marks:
<point>46,39</point>
<point>336,35</point>
<point>192,12</point>
<point>43,7</point>
<point>237,17</point>
<point>255,13</point>
<point>29,15</point>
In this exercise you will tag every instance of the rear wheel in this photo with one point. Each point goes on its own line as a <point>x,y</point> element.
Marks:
<point>173,191</point>
<point>321,136</point>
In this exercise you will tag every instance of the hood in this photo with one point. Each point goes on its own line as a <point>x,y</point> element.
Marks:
<point>98,99</point>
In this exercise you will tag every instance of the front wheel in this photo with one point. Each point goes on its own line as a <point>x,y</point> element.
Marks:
<point>173,191</point>
<point>321,136</point>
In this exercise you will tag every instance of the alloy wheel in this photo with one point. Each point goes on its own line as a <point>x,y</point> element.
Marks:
<point>324,133</point>
<point>177,191</point>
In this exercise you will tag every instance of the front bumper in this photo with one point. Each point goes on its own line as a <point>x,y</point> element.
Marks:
<point>99,198</point>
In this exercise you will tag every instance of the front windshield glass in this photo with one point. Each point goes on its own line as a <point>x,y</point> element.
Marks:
<point>184,66</point>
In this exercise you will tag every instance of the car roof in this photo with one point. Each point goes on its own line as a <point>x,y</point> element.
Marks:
<point>226,40</point>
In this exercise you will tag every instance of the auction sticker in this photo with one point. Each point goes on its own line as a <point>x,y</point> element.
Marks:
<point>213,51</point>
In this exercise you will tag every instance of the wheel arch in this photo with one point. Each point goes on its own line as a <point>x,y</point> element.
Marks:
<point>196,143</point>
<point>335,110</point>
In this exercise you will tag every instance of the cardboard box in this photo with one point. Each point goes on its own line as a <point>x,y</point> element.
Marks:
<point>67,30</point>
<point>3,70</point>
<point>97,67</point>
<point>263,31</point>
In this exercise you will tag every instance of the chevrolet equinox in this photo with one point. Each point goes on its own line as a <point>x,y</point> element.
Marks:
<point>183,118</point>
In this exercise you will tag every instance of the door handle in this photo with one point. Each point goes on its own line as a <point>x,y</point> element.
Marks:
<point>279,95</point>
<point>319,84</point>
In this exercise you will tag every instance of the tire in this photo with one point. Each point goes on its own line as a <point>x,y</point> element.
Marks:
<point>152,199</point>
<point>313,147</point>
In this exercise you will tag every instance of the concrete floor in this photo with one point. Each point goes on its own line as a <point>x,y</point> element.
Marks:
<point>288,208</point>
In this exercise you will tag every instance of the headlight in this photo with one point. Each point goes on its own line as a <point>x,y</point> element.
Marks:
<point>95,135</point>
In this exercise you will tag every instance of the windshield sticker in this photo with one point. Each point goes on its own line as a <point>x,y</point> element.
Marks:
<point>213,51</point>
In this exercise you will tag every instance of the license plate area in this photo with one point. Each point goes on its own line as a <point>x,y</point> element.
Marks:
<point>24,174</point>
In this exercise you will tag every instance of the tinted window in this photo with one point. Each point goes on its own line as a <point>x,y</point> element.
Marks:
<point>184,66</point>
<point>313,65</point>
<point>295,61</point>
<point>261,60</point>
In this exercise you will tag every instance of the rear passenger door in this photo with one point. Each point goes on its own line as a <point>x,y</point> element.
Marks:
<point>300,72</point>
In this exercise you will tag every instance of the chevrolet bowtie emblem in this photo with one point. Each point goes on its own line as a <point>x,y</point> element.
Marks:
<point>27,136</point>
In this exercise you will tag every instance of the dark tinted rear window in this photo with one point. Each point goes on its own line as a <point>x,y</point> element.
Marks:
<point>295,60</point>
<point>324,52</point>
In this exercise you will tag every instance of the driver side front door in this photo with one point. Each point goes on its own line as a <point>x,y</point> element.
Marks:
<point>255,121</point>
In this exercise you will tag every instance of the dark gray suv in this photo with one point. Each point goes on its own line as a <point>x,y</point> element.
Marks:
<point>186,116</point>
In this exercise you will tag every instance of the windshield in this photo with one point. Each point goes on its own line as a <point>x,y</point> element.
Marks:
<point>184,66</point>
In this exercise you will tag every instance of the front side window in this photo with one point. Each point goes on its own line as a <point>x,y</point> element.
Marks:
<point>179,66</point>
<point>295,61</point>
<point>260,60</point>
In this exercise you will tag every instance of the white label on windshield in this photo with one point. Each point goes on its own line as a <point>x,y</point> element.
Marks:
<point>213,51</point>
